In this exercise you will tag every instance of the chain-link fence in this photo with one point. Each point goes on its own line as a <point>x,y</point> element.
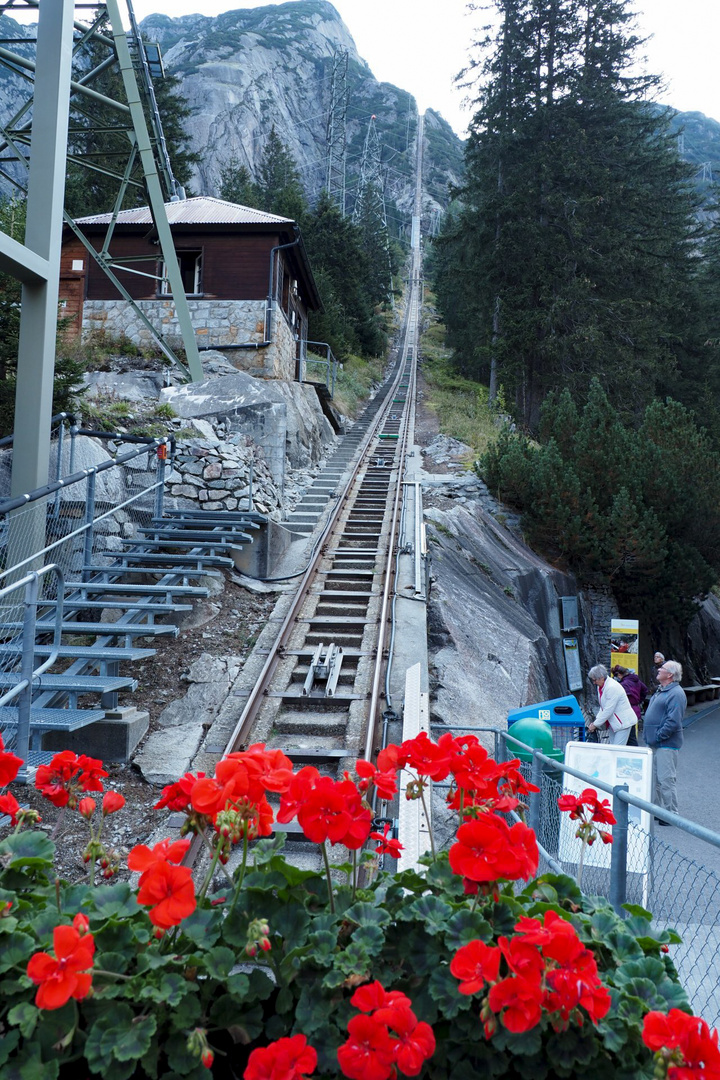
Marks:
<point>638,868</point>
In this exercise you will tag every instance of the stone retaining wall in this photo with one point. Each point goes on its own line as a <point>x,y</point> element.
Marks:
<point>217,324</point>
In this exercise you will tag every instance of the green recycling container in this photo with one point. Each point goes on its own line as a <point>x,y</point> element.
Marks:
<point>535,733</point>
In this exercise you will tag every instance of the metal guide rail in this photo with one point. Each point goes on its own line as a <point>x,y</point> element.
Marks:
<point>318,697</point>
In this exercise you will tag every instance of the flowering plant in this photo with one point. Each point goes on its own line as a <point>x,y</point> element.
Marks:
<point>264,969</point>
<point>590,812</point>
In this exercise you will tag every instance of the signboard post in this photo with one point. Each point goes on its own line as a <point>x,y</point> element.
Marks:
<point>624,643</point>
<point>631,765</point>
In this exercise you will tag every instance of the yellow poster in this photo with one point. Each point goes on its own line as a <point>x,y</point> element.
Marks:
<point>624,643</point>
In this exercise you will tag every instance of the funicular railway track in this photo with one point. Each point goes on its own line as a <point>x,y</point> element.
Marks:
<point>319,695</point>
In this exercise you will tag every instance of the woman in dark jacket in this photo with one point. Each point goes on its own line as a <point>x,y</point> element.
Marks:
<point>636,691</point>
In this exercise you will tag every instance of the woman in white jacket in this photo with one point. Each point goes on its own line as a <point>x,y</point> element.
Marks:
<point>615,709</point>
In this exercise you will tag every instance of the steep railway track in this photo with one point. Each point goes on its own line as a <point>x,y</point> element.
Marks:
<point>320,694</point>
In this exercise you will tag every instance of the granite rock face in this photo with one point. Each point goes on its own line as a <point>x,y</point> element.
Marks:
<point>245,71</point>
<point>494,626</point>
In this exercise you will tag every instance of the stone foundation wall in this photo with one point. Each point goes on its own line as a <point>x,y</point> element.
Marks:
<point>217,324</point>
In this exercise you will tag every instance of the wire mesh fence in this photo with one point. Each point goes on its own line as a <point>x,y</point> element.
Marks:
<point>681,893</point>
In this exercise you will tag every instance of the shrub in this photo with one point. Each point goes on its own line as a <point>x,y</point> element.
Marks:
<point>459,971</point>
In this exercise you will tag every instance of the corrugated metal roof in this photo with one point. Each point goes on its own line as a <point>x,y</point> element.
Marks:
<point>202,210</point>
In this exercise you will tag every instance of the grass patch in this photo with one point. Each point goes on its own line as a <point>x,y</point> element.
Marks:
<point>460,404</point>
<point>355,381</point>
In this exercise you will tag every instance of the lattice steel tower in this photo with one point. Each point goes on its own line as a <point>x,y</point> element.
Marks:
<point>369,210</point>
<point>50,79</point>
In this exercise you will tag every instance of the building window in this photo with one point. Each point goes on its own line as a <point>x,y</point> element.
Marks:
<point>190,263</point>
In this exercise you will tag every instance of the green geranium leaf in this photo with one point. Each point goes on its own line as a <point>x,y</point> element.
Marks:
<point>101,1036</point>
<point>322,946</point>
<point>291,923</point>
<point>602,924</point>
<point>171,990</point>
<point>265,849</point>
<point>465,926</point>
<point>24,1016</point>
<point>73,897</point>
<point>219,962</point>
<point>624,946</point>
<point>639,912</point>
<point>443,988</point>
<point>432,912</point>
<point>643,989</point>
<point>648,967</point>
<point>565,887</point>
<point>333,979</point>
<point>574,1046</point>
<point>203,927</point>
<point>674,995</point>
<point>293,874</point>
<point>238,985</point>
<point>16,949</point>
<point>261,985</point>
<point>116,900</point>
<point>369,938</point>
<point>442,878</point>
<point>186,1013</point>
<point>353,960</point>
<point>9,1045</point>
<point>367,915</point>
<point>30,849</point>
<point>113,961</point>
<point>8,924</point>
<point>312,1010</point>
<point>151,960</point>
<point>135,1041</point>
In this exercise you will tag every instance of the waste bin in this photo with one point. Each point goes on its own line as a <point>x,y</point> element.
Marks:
<point>535,733</point>
<point>562,714</point>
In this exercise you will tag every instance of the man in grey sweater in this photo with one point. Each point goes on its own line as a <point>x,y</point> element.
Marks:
<point>663,732</point>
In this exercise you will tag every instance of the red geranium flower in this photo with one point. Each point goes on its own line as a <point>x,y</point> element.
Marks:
<point>112,802</point>
<point>387,845</point>
<point>519,1002</point>
<point>169,892</point>
<point>177,796</point>
<point>415,1042</point>
<point>368,1053</point>
<point>10,805</point>
<point>692,1048</point>
<point>333,810</point>
<point>86,808</point>
<point>9,765</point>
<point>475,964</point>
<point>143,858</point>
<point>487,849</point>
<point>385,782</point>
<point>300,787</point>
<point>286,1059</point>
<point>67,775</point>
<point>66,974</point>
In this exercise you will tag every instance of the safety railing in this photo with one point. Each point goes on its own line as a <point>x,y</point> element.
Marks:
<point>83,518</point>
<point>637,868</point>
<point>20,691</point>
<point>329,363</point>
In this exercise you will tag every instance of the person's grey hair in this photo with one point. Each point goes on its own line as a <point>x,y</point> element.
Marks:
<point>674,668</point>
<point>662,658</point>
<point>598,672</point>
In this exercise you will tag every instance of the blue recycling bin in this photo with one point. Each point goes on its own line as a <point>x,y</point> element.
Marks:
<point>563,714</point>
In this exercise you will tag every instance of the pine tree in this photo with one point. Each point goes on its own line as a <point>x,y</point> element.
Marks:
<point>578,218</point>
<point>279,188</point>
<point>236,184</point>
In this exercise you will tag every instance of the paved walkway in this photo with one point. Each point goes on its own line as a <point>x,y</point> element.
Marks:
<point>698,784</point>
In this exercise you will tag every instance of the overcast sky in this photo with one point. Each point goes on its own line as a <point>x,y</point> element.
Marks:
<point>420,45</point>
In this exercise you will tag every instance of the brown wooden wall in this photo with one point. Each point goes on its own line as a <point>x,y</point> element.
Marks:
<point>234,267</point>
<point>72,286</point>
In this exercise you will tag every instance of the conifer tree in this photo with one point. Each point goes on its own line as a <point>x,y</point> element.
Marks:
<point>279,188</point>
<point>578,218</point>
<point>236,184</point>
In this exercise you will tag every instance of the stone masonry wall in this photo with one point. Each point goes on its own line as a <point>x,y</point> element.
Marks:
<point>217,324</point>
